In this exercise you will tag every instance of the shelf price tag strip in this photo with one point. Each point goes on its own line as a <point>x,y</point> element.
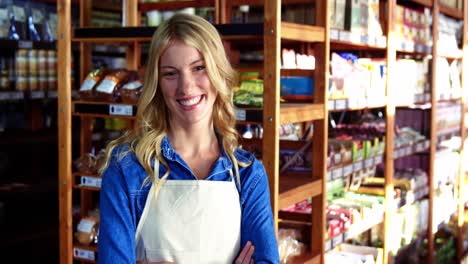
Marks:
<point>122,110</point>
<point>25,44</point>
<point>88,181</point>
<point>240,114</point>
<point>84,254</point>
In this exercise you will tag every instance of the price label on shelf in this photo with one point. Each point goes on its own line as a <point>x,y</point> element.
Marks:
<point>348,169</point>
<point>426,144</point>
<point>357,166</point>
<point>396,154</point>
<point>407,150</point>
<point>337,173</point>
<point>16,95</point>
<point>378,159</point>
<point>25,44</point>
<point>345,235</point>
<point>329,176</point>
<point>345,36</point>
<point>355,38</point>
<point>328,245</point>
<point>122,110</point>
<point>4,96</point>
<point>337,240</point>
<point>52,94</point>
<point>369,163</point>
<point>84,254</point>
<point>334,34</point>
<point>240,114</point>
<point>89,181</point>
<point>340,104</point>
<point>37,95</point>
<point>331,104</point>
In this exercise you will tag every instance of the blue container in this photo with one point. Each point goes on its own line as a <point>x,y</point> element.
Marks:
<point>297,86</point>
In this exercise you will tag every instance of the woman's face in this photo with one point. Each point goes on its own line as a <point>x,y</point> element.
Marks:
<point>185,85</point>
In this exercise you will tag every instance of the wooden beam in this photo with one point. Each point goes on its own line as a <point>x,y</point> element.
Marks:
<point>271,99</point>
<point>64,131</point>
<point>85,48</point>
<point>433,132</point>
<point>320,138</point>
<point>389,134</point>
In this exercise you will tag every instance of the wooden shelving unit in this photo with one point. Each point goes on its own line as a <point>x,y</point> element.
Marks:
<point>288,188</point>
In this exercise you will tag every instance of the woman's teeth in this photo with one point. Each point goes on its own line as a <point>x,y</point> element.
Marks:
<point>191,102</point>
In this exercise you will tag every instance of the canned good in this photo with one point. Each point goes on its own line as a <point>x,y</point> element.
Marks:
<point>33,62</point>
<point>22,62</point>
<point>22,83</point>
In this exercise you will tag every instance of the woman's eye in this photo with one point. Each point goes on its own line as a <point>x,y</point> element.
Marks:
<point>168,74</point>
<point>200,68</point>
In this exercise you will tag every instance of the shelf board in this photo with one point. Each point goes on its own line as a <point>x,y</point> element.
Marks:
<point>283,72</point>
<point>346,40</point>
<point>289,113</point>
<point>261,2</point>
<point>101,5</point>
<point>298,32</point>
<point>297,188</point>
<point>29,95</point>
<point>450,11</point>
<point>342,170</point>
<point>409,150</point>
<point>173,5</point>
<point>26,44</point>
<point>103,109</point>
<point>305,258</point>
<point>451,54</point>
<point>290,31</point>
<point>426,3</point>
<point>339,105</point>
<point>353,231</point>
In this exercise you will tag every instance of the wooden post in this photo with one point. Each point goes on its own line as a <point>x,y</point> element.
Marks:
<point>271,103</point>
<point>461,180</point>
<point>433,133</point>
<point>64,130</point>
<point>320,138</point>
<point>85,48</point>
<point>130,15</point>
<point>389,203</point>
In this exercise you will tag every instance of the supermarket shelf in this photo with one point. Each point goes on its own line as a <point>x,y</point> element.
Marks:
<point>85,181</point>
<point>101,5</point>
<point>290,31</point>
<point>87,254</point>
<point>26,44</point>
<point>338,105</point>
<point>451,54</point>
<point>450,11</point>
<point>341,171</point>
<point>447,99</point>
<point>409,150</point>
<point>426,3</point>
<point>103,109</point>
<point>353,231</point>
<point>261,2</point>
<point>284,72</point>
<point>305,258</point>
<point>34,95</point>
<point>345,40</point>
<point>409,47</point>
<point>297,188</point>
<point>174,5</point>
<point>289,113</point>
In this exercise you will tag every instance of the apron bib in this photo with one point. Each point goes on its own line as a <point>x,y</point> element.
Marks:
<point>189,221</point>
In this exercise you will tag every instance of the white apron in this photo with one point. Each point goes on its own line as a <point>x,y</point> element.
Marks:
<point>190,221</point>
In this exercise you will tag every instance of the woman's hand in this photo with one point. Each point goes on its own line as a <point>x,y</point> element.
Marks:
<point>245,257</point>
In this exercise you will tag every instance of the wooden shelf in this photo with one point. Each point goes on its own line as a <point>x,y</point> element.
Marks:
<point>346,40</point>
<point>174,5</point>
<point>353,231</point>
<point>297,188</point>
<point>261,2</point>
<point>452,55</point>
<point>103,109</point>
<point>303,33</point>
<point>340,105</point>
<point>289,113</point>
<point>284,72</point>
<point>426,3</point>
<point>450,11</point>
<point>26,44</point>
<point>102,5</point>
<point>305,258</point>
<point>290,31</point>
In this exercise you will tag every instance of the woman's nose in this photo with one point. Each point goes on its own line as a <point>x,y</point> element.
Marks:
<point>187,83</point>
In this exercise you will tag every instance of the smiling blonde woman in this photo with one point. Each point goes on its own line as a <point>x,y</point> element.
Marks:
<point>177,189</point>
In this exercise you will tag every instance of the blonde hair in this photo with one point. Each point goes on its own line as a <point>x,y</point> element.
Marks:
<point>152,115</point>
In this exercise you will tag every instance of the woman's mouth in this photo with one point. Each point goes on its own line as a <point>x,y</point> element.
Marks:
<point>191,102</point>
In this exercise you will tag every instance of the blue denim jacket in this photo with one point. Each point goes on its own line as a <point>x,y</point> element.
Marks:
<point>123,198</point>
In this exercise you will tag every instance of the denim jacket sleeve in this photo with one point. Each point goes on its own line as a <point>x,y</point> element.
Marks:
<point>117,229</point>
<point>257,218</point>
